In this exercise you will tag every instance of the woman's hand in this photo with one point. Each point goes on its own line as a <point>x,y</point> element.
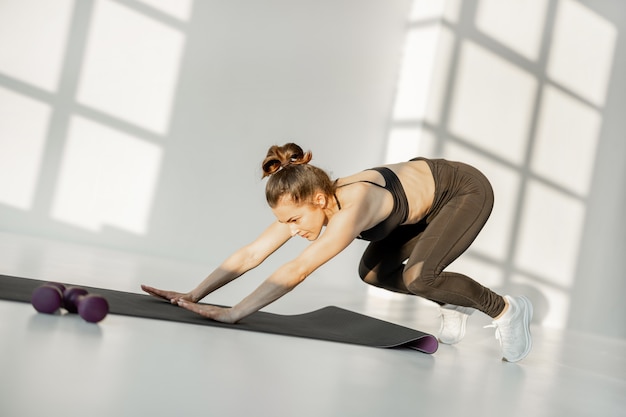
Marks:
<point>222,314</point>
<point>171,296</point>
<point>185,300</point>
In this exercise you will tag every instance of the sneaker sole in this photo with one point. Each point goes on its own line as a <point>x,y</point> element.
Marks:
<point>528,315</point>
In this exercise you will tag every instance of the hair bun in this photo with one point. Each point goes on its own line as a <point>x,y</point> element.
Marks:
<point>282,156</point>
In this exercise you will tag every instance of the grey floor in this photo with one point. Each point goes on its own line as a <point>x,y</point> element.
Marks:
<point>61,366</point>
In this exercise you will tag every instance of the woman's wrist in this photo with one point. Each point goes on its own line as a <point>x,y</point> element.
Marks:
<point>194,297</point>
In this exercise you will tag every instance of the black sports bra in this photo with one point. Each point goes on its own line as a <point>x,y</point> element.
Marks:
<point>400,210</point>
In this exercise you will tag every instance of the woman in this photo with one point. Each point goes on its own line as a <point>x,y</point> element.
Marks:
<point>418,215</point>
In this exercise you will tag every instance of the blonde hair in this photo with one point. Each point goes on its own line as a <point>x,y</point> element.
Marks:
<point>291,174</point>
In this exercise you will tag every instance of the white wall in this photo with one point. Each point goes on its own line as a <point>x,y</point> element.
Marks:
<point>139,125</point>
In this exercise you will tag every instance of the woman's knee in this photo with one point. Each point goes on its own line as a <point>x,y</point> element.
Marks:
<point>386,278</point>
<point>368,275</point>
<point>364,271</point>
<point>419,280</point>
<point>421,289</point>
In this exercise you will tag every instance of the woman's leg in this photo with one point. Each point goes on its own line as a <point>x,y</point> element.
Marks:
<point>449,233</point>
<point>382,264</point>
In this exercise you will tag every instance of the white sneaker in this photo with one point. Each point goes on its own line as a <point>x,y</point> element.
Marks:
<point>453,319</point>
<point>513,329</point>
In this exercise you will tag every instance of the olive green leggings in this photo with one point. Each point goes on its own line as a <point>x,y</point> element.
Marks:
<point>412,258</point>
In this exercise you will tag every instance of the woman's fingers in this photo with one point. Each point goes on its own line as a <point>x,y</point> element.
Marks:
<point>152,291</point>
<point>166,295</point>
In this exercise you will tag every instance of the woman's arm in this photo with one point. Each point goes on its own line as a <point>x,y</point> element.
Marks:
<point>243,260</point>
<point>340,232</point>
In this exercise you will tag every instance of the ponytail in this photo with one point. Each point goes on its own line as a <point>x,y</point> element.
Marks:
<point>290,174</point>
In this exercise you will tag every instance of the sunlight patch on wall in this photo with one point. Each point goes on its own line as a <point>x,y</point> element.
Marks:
<point>410,142</point>
<point>423,76</point>
<point>131,67</point>
<point>107,178</point>
<point>415,74</point>
<point>582,51</point>
<point>422,81</point>
<point>566,141</point>
<point>439,81</point>
<point>33,35</point>
<point>493,102</point>
<point>23,130</point>
<point>435,9</point>
<point>180,9</point>
<point>401,143</point>
<point>550,234</point>
<point>518,24</point>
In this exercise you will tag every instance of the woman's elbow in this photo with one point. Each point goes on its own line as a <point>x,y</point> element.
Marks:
<point>291,275</point>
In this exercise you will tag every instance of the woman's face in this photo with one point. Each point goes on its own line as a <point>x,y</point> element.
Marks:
<point>305,220</point>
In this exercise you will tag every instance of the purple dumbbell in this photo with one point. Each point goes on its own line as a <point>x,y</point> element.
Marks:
<point>92,308</point>
<point>48,298</point>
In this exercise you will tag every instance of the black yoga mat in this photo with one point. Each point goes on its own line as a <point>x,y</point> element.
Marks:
<point>329,323</point>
